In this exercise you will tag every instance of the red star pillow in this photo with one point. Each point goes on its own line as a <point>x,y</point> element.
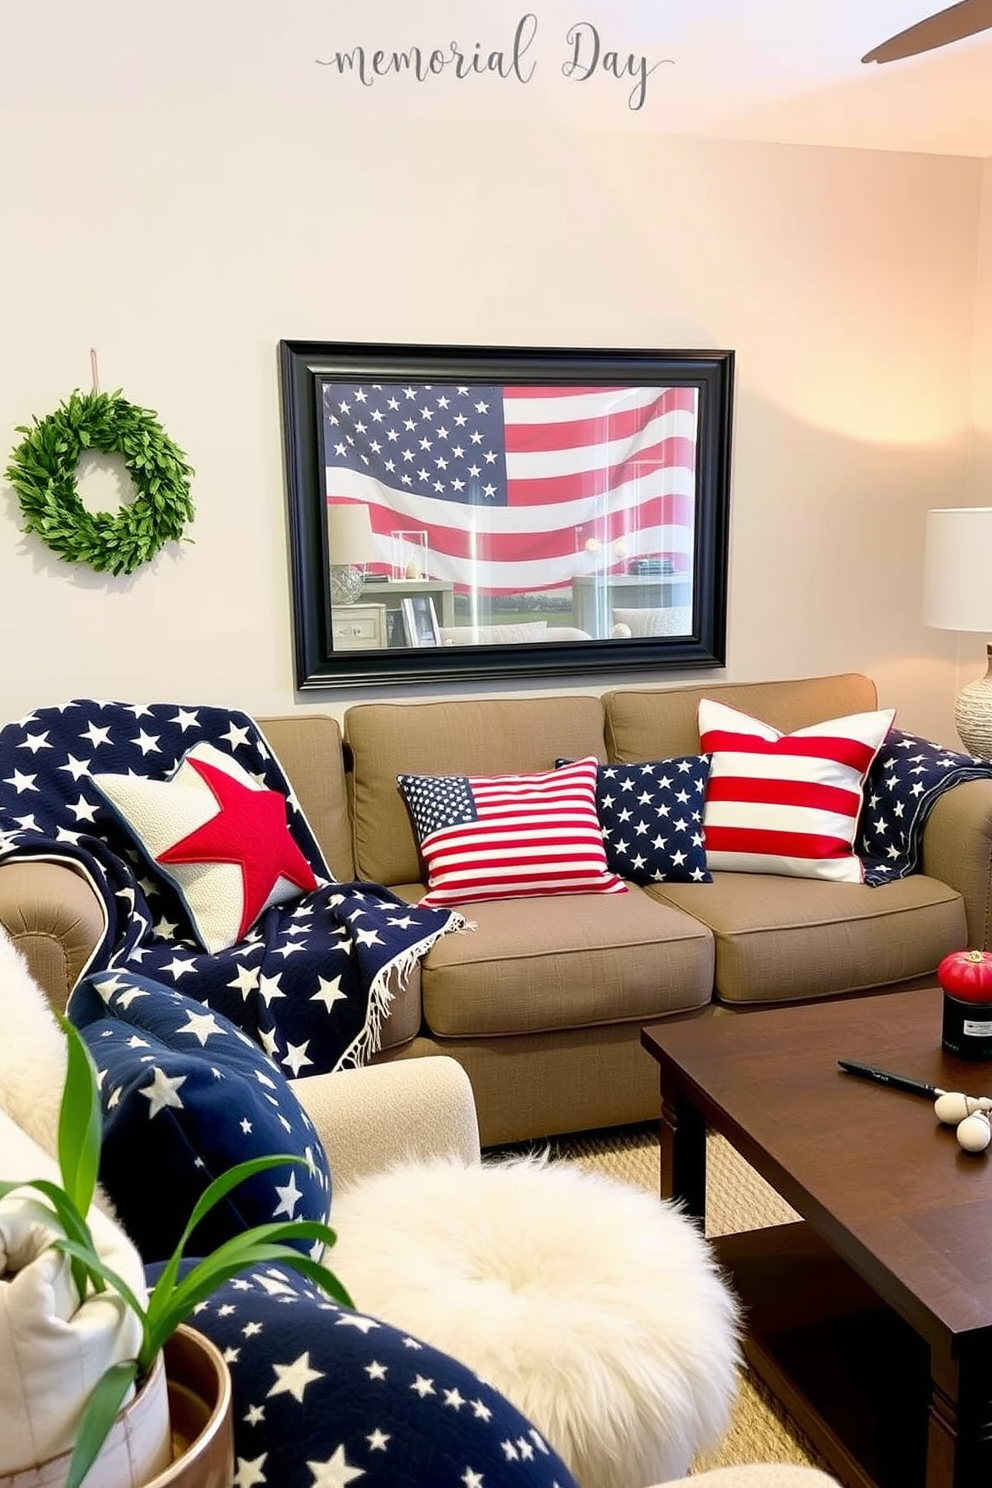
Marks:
<point>219,837</point>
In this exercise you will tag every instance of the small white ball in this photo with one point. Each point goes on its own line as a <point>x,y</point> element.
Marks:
<point>974,1132</point>
<point>592,544</point>
<point>619,548</point>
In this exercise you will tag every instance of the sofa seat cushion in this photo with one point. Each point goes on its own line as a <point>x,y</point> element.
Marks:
<point>784,939</point>
<point>532,965</point>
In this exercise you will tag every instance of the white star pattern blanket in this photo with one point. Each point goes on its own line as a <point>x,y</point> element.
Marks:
<point>310,980</point>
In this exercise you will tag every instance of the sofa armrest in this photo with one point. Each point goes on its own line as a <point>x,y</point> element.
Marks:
<point>381,1114</point>
<point>957,850</point>
<point>55,918</point>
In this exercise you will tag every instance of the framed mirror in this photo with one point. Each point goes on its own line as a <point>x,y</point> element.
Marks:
<point>471,512</point>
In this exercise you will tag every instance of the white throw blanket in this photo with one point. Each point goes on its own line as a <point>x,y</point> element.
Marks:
<point>52,1350</point>
<point>32,1052</point>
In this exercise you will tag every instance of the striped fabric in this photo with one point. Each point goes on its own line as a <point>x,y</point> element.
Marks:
<point>787,803</point>
<point>510,836</point>
<point>511,483</point>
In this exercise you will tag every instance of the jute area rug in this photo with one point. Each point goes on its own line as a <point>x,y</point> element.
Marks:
<point>737,1199</point>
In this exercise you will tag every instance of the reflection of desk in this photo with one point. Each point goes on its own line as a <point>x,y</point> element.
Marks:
<point>393,594</point>
<point>358,627</point>
<point>595,596</point>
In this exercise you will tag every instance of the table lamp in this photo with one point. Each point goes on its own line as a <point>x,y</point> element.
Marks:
<point>957,595</point>
<point>350,545</point>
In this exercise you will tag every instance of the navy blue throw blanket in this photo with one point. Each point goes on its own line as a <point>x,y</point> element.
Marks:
<point>908,777</point>
<point>309,980</point>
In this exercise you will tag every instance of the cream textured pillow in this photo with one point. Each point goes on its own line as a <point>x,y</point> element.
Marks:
<point>667,621</point>
<point>495,635</point>
<point>787,803</point>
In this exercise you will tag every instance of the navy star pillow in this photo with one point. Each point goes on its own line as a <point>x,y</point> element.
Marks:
<point>186,1095</point>
<point>325,1395</point>
<point>652,819</point>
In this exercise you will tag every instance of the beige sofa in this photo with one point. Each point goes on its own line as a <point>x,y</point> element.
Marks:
<point>543,1001</point>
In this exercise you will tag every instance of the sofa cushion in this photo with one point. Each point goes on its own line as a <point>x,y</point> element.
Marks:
<point>781,939</point>
<point>185,1096</point>
<point>510,836</point>
<point>487,736</point>
<point>787,803</point>
<point>530,966</point>
<point>219,837</point>
<point>310,750</point>
<point>645,723</point>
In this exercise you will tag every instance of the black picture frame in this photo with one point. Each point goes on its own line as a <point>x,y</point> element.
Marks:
<point>692,586</point>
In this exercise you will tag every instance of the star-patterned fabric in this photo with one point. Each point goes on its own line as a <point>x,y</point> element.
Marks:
<point>310,982</point>
<point>909,776</point>
<point>652,819</point>
<point>185,1096</point>
<point>325,1396</point>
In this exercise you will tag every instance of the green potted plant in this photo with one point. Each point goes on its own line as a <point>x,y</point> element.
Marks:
<point>64,1207</point>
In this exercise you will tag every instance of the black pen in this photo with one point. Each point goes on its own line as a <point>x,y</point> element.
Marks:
<point>886,1077</point>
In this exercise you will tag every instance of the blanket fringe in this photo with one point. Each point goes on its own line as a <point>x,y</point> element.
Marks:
<point>385,985</point>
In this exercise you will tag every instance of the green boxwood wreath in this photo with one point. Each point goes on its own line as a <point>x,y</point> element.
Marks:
<point>43,472</point>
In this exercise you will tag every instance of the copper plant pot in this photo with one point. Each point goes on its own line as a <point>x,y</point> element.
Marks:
<point>199,1409</point>
<point>199,1412</point>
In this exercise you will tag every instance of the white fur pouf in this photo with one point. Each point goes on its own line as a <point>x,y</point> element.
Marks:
<point>595,1308</point>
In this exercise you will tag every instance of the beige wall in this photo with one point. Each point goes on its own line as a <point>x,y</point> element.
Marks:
<point>183,246</point>
<point>969,650</point>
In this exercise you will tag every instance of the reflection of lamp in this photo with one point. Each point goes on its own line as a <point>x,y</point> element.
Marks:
<point>957,595</point>
<point>350,546</point>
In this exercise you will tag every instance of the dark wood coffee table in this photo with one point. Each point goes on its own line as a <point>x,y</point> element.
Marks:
<point>871,1318</point>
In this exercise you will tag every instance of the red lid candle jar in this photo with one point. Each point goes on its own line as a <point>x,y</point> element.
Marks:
<point>966,980</point>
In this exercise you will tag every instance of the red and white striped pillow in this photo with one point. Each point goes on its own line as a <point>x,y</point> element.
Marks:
<point>510,836</point>
<point>786,803</point>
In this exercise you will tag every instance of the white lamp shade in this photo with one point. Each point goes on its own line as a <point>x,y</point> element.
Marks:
<point>349,534</point>
<point>957,569</point>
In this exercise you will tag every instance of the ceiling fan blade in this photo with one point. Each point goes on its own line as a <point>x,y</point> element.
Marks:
<point>953,24</point>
